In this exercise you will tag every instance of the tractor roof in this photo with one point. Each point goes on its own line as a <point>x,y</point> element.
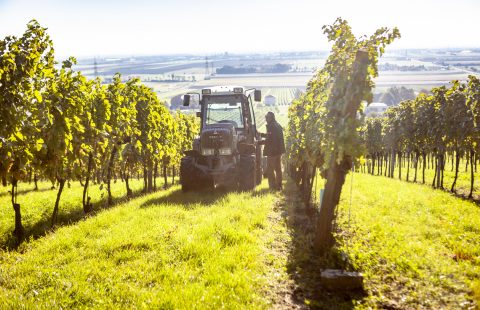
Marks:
<point>223,90</point>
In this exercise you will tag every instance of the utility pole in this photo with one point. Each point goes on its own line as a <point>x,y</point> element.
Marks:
<point>95,68</point>
<point>207,73</point>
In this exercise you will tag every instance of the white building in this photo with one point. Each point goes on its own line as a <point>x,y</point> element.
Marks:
<point>270,100</point>
<point>376,107</point>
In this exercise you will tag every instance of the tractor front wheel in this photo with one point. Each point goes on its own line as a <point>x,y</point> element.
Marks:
<point>187,173</point>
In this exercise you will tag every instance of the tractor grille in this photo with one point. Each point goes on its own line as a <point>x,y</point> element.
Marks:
<point>216,138</point>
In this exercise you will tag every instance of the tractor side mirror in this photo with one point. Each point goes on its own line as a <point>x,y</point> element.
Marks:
<point>199,114</point>
<point>257,95</point>
<point>186,100</point>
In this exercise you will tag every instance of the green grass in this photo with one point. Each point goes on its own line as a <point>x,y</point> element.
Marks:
<point>417,247</point>
<point>164,250</point>
<point>37,206</point>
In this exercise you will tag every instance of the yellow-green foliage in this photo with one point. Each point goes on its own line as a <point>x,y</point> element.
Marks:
<point>417,247</point>
<point>164,250</point>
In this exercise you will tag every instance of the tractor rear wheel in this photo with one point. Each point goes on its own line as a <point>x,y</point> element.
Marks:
<point>258,164</point>
<point>246,172</point>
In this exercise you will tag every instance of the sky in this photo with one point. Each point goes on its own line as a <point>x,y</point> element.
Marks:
<point>141,27</point>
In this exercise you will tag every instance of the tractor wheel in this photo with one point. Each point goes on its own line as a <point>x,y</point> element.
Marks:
<point>246,173</point>
<point>205,184</point>
<point>187,173</point>
<point>258,164</point>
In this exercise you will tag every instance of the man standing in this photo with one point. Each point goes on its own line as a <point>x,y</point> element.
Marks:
<point>274,148</point>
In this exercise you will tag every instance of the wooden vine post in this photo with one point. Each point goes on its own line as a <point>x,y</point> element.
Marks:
<point>337,171</point>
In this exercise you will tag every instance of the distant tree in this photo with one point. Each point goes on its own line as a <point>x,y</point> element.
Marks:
<point>279,68</point>
<point>235,70</point>
<point>395,95</point>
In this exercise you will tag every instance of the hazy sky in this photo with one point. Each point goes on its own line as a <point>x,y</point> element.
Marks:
<point>131,27</point>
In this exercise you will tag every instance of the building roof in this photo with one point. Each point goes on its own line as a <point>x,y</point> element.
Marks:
<point>377,105</point>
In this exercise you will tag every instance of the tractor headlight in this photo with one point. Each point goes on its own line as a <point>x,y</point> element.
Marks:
<point>225,151</point>
<point>207,152</point>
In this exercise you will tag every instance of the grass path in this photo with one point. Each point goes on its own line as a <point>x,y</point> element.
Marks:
<point>164,250</point>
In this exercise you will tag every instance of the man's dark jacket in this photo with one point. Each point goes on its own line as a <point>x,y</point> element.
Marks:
<point>274,144</point>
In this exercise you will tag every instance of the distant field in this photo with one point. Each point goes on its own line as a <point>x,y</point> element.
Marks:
<point>420,78</point>
<point>192,69</point>
<point>403,62</point>
<point>284,96</point>
<point>258,80</point>
<point>167,91</point>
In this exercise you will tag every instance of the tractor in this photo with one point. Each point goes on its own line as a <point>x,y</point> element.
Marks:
<point>227,153</point>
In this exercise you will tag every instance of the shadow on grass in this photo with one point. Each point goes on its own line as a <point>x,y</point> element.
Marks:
<point>43,227</point>
<point>188,199</point>
<point>26,191</point>
<point>304,266</point>
<point>74,215</point>
<point>261,192</point>
<point>460,192</point>
<point>203,197</point>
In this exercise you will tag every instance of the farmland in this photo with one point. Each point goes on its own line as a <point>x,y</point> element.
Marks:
<point>441,67</point>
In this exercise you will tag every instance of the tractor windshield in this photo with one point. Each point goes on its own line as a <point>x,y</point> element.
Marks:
<point>224,110</point>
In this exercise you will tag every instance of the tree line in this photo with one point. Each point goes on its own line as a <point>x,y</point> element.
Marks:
<point>55,124</point>
<point>426,130</point>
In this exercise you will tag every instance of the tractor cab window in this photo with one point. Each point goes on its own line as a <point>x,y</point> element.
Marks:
<point>226,110</point>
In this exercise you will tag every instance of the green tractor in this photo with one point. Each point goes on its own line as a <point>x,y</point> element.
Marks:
<point>227,153</point>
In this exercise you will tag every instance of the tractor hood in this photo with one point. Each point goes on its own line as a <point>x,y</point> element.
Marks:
<point>218,136</point>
